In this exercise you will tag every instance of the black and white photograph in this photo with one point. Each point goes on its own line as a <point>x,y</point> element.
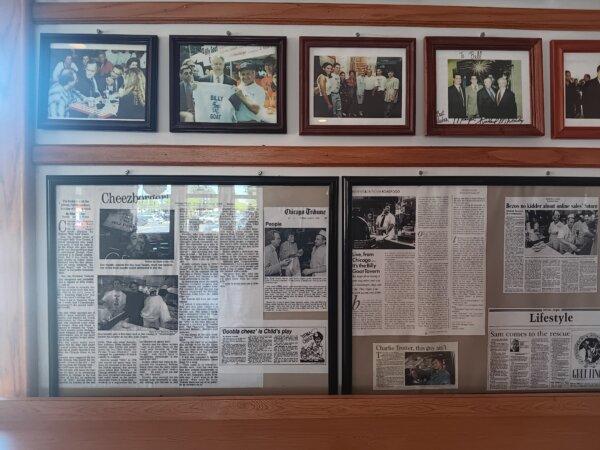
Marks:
<point>582,88</point>
<point>429,369</point>
<point>295,252</point>
<point>97,82</point>
<point>146,234</point>
<point>383,222</point>
<point>312,349</point>
<point>550,233</point>
<point>135,303</point>
<point>231,83</point>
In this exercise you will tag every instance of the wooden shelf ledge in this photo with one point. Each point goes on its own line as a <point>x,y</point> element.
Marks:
<point>318,156</point>
<point>317,14</point>
<point>465,422</point>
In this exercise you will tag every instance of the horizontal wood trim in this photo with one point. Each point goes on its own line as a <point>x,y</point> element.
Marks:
<point>318,156</point>
<point>318,14</point>
<point>301,407</point>
<point>465,422</point>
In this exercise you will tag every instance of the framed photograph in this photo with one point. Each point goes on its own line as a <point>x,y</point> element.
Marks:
<point>228,84</point>
<point>357,86</point>
<point>449,282</point>
<point>98,82</point>
<point>484,86</point>
<point>173,285</point>
<point>575,95</point>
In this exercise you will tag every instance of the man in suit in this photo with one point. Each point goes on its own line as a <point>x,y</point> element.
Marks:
<point>486,100</point>
<point>591,97</point>
<point>187,85</point>
<point>272,265</point>
<point>456,99</point>
<point>471,98</point>
<point>505,100</point>
<point>91,84</point>
<point>217,64</point>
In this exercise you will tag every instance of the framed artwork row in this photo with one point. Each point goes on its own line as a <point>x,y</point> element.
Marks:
<point>348,86</point>
<point>180,285</point>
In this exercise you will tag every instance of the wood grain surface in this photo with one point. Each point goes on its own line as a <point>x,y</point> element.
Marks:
<point>318,156</point>
<point>464,422</point>
<point>317,14</point>
<point>16,181</point>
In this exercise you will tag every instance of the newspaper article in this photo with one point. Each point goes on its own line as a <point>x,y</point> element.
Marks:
<point>295,259</point>
<point>543,349</point>
<point>430,365</point>
<point>152,280</point>
<point>418,260</point>
<point>550,244</point>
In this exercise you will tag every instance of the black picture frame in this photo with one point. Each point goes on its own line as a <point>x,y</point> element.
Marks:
<point>54,181</point>
<point>176,126</point>
<point>349,182</point>
<point>149,124</point>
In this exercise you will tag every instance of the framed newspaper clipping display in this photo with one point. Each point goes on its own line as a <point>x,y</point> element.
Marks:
<point>357,85</point>
<point>470,284</point>
<point>228,84</point>
<point>484,86</point>
<point>183,285</point>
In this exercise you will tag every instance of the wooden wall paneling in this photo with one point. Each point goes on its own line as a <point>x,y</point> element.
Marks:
<point>16,196</point>
<point>318,156</point>
<point>318,14</point>
<point>491,422</point>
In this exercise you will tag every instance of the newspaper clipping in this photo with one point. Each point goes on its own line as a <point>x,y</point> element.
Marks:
<point>543,349</point>
<point>431,365</point>
<point>550,244</point>
<point>295,259</point>
<point>418,260</point>
<point>166,286</point>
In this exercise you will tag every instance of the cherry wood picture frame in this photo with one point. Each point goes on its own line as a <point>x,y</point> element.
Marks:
<point>533,46</point>
<point>306,43</point>
<point>557,83</point>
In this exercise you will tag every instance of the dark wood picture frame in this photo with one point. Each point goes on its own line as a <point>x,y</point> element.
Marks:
<point>533,46</point>
<point>306,83</point>
<point>348,182</point>
<point>54,181</point>
<point>149,124</point>
<point>279,42</point>
<point>557,83</point>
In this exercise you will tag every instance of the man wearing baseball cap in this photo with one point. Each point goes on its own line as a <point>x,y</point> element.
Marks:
<point>254,95</point>
<point>318,257</point>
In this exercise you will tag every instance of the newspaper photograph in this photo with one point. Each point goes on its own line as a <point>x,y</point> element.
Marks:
<point>543,349</point>
<point>431,365</point>
<point>418,260</point>
<point>295,259</point>
<point>550,244</point>
<point>167,286</point>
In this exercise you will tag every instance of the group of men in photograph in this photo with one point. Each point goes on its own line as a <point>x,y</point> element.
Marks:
<point>371,93</point>
<point>387,225</point>
<point>573,233</point>
<point>143,306</point>
<point>492,100</point>
<point>582,97</point>
<point>284,260</point>
<point>93,77</point>
<point>251,94</point>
